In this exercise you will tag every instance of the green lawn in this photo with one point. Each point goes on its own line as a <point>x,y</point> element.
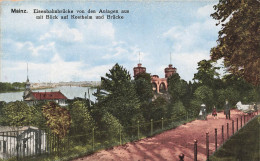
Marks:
<point>243,146</point>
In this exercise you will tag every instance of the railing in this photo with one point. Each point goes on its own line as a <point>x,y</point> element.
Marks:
<point>226,132</point>
<point>31,142</point>
<point>27,143</point>
<point>21,143</point>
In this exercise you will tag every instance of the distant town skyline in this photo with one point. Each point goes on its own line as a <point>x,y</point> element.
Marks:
<point>84,50</point>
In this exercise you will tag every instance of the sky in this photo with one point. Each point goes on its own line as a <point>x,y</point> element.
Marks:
<point>84,50</point>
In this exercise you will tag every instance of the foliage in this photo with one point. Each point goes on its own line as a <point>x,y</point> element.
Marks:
<point>2,105</point>
<point>16,86</point>
<point>207,73</point>
<point>195,106</point>
<point>145,76</point>
<point>81,120</point>
<point>119,96</point>
<point>238,41</point>
<point>143,87</point>
<point>177,87</point>
<point>247,92</point>
<point>58,118</point>
<point>156,109</point>
<point>178,112</point>
<point>39,119</point>
<point>159,108</point>
<point>17,114</point>
<point>188,96</point>
<point>205,95</point>
<point>110,127</point>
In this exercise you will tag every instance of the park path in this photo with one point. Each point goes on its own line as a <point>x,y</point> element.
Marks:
<point>169,144</point>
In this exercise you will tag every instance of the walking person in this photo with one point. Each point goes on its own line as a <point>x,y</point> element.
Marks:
<point>214,112</point>
<point>181,157</point>
<point>255,108</point>
<point>227,110</point>
<point>204,111</point>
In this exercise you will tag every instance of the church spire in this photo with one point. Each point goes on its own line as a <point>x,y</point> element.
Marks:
<point>27,74</point>
<point>27,86</point>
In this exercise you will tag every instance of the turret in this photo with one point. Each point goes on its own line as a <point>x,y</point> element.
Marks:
<point>139,69</point>
<point>169,71</point>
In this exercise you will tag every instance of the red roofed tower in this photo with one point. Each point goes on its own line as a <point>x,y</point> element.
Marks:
<point>169,71</point>
<point>139,69</point>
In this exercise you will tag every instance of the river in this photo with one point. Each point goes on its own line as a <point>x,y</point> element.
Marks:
<point>69,92</point>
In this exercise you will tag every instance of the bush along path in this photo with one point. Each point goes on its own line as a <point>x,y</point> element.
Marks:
<point>172,143</point>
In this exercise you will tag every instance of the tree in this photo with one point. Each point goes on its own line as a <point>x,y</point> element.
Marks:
<point>117,95</point>
<point>143,87</point>
<point>157,109</point>
<point>82,122</point>
<point>238,40</point>
<point>205,95</point>
<point>207,73</point>
<point>178,112</point>
<point>58,118</point>
<point>177,87</point>
<point>17,114</point>
<point>247,93</point>
<point>195,106</point>
<point>110,128</point>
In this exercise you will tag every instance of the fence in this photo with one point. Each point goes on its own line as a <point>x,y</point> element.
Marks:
<point>226,132</point>
<point>23,144</point>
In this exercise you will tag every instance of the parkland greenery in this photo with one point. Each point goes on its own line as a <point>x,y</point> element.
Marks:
<point>128,109</point>
<point>7,87</point>
<point>122,102</point>
<point>238,40</point>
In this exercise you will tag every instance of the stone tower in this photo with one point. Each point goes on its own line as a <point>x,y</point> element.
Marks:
<point>169,71</point>
<point>139,69</point>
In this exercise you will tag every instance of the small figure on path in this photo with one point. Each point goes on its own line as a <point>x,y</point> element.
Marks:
<point>181,156</point>
<point>214,112</point>
<point>255,108</point>
<point>203,112</point>
<point>227,110</point>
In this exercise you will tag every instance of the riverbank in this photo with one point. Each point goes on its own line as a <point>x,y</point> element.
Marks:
<point>69,91</point>
<point>21,90</point>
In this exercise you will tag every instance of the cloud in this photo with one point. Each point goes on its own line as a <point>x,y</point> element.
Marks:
<point>65,50</point>
<point>55,71</point>
<point>60,30</point>
<point>192,43</point>
<point>35,50</point>
<point>205,11</point>
<point>22,23</point>
<point>197,35</point>
<point>187,63</point>
<point>97,31</point>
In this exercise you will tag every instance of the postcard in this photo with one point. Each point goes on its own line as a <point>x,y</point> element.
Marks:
<point>121,80</point>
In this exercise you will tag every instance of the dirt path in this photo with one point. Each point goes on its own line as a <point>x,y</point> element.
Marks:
<point>168,145</point>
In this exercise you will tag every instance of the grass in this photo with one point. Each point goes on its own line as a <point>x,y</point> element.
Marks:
<point>243,146</point>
